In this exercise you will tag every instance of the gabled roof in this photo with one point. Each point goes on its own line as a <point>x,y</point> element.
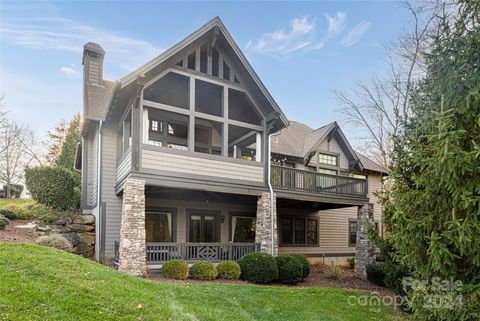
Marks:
<point>299,140</point>
<point>211,26</point>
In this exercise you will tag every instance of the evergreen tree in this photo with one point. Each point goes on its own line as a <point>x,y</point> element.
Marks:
<point>66,158</point>
<point>433,209</point>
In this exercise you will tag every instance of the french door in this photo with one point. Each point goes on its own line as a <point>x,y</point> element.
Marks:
<point>204,227</point>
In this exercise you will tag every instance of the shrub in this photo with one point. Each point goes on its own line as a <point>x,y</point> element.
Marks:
<point>334,272</point>
<point>19,210</point>
<point>376,273</point>
<point>394,274</point>
<point>8,213</point>
<point>3,222</point>
<point>203,270</point>
<point>351,262</point>
<point>34,211</point>
<point>175,269</point>
<point>258,268</point>
<point>305,264</point>
<point>51,185</point>
<point>229,270</point>
<point>290,269</point>
<point>56,241</point>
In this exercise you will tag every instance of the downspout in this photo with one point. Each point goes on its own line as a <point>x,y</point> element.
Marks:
<point>269,176</point>
<point>99,194</point>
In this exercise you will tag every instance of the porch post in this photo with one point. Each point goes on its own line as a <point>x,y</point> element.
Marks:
<point>365,250</point>
<point>132,252</point>
<point>263,225</point>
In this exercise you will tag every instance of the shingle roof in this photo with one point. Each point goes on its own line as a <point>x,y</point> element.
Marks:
<point>98,98</point>
<point>298,139</point>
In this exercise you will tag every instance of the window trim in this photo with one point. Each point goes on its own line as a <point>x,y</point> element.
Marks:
<point>231,214</point>
<point>337,157</point>
<point>173,211</point>
<point>348,231</point>
<point>293,244</point>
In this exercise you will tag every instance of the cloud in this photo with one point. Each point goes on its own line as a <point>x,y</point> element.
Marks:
<point>69,71</point>
<point>355,34</point>
<point>57,33</point>
<point>299,35</point>
<point>336,24</point>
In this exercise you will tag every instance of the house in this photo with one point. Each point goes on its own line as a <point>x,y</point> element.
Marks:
<point>175,162</point>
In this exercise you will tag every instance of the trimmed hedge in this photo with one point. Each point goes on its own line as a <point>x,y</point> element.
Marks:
<point>258,268</point>
<point>306,266</point>
<point>175,269</point>
<point>8,213</point>
<point>376,273</point>
<point>55,240</point>
<point>3,222</point>
<point>228,270</point>
<point>51,185</point>
<point>203,270</point>
<point>290,269</point>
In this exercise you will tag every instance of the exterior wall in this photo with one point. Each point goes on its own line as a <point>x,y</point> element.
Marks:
<point>111,202</point>
<point>333,227</point>
<point>124,167</point>
<point>88,141</point>
<point>181,207</point>
<point>216,169</point>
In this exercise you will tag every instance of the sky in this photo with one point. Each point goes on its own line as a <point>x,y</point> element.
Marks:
<point>302,51</point>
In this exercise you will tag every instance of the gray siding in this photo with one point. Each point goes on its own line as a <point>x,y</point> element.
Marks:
<point>109,180</point>
<point>158,160</point>
<point>124,167</point>
<point>332,146</point>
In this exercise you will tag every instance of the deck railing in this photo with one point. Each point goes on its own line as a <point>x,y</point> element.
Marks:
<point>158,253</point>
<point>312,182</point>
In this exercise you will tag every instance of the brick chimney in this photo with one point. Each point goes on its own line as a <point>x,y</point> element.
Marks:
<point>93,55</point>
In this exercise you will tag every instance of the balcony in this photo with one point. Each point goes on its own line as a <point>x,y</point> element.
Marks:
<point>292,179</point>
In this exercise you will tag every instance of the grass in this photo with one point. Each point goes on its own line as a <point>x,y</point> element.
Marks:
<point>16,201</point>
<point>39,283</point>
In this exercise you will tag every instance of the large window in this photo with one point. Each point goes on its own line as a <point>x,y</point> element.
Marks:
<point>159,226</point>
<point>172,89</point>
<point>208,98</point>
<point>243,229</point>
<point>167,129</point>
<point>208,136</point>
<point>241,108</point>
<point>299,231</point>
<point>242,143</point>
<point>327,159</point>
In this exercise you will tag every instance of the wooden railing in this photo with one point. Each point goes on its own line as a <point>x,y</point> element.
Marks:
<point>158,253</point>
<point>312,182</point>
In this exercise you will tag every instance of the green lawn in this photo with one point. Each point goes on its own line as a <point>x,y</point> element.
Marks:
<point>18,201</point>
<point>38,283</point>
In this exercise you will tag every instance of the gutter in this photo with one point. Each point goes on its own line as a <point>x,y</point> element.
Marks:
<point>269,176</point>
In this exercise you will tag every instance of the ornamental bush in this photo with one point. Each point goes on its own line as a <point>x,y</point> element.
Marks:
<point>290,269</point>
<point>334,272</point>
<point>3,222</point>
<point>55,240</point>
<point>376,273</point>
<point>203,270</point>
<point>351,262</point>
<point>175,269</point>
<point>229,270</point>
<point>8,213</point>
<point>306,266</point>
<point>258,268</point>
<point>51,185</point>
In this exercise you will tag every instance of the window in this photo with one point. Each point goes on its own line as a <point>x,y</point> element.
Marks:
<point>352,232</point>
<point>226,71</point>
<point>243,229</point>
<point>172,89</point>
<point>299,231</point>
<point>208,98</point>
<point>208,136</point>
<point>167,129</point>
<point>327,159</point>
<point>360,176</point>
<point>159,226</point>
<point>124,135</point>
<point>327,171</point>
<point>359,187</point>
<point>241,108</point>
<point>242,143</point>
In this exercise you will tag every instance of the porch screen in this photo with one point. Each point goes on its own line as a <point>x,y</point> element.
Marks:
<point>158,226</point>
<point>243,229</point>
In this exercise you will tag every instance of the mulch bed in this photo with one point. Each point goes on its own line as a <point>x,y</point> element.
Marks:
<point>17,235</point>
<point>317,278</point>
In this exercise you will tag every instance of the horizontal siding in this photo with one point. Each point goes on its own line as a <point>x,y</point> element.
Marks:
<point>159,160</point>
<point>331,146</point>
<point>124,167</point>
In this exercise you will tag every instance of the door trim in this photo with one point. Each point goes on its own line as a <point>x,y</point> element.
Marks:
<point>215,213</point>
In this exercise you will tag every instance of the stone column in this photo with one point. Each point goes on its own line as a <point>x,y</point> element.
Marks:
<point>365,253</point>
<point>263,230</point>
<point>132,252</point>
